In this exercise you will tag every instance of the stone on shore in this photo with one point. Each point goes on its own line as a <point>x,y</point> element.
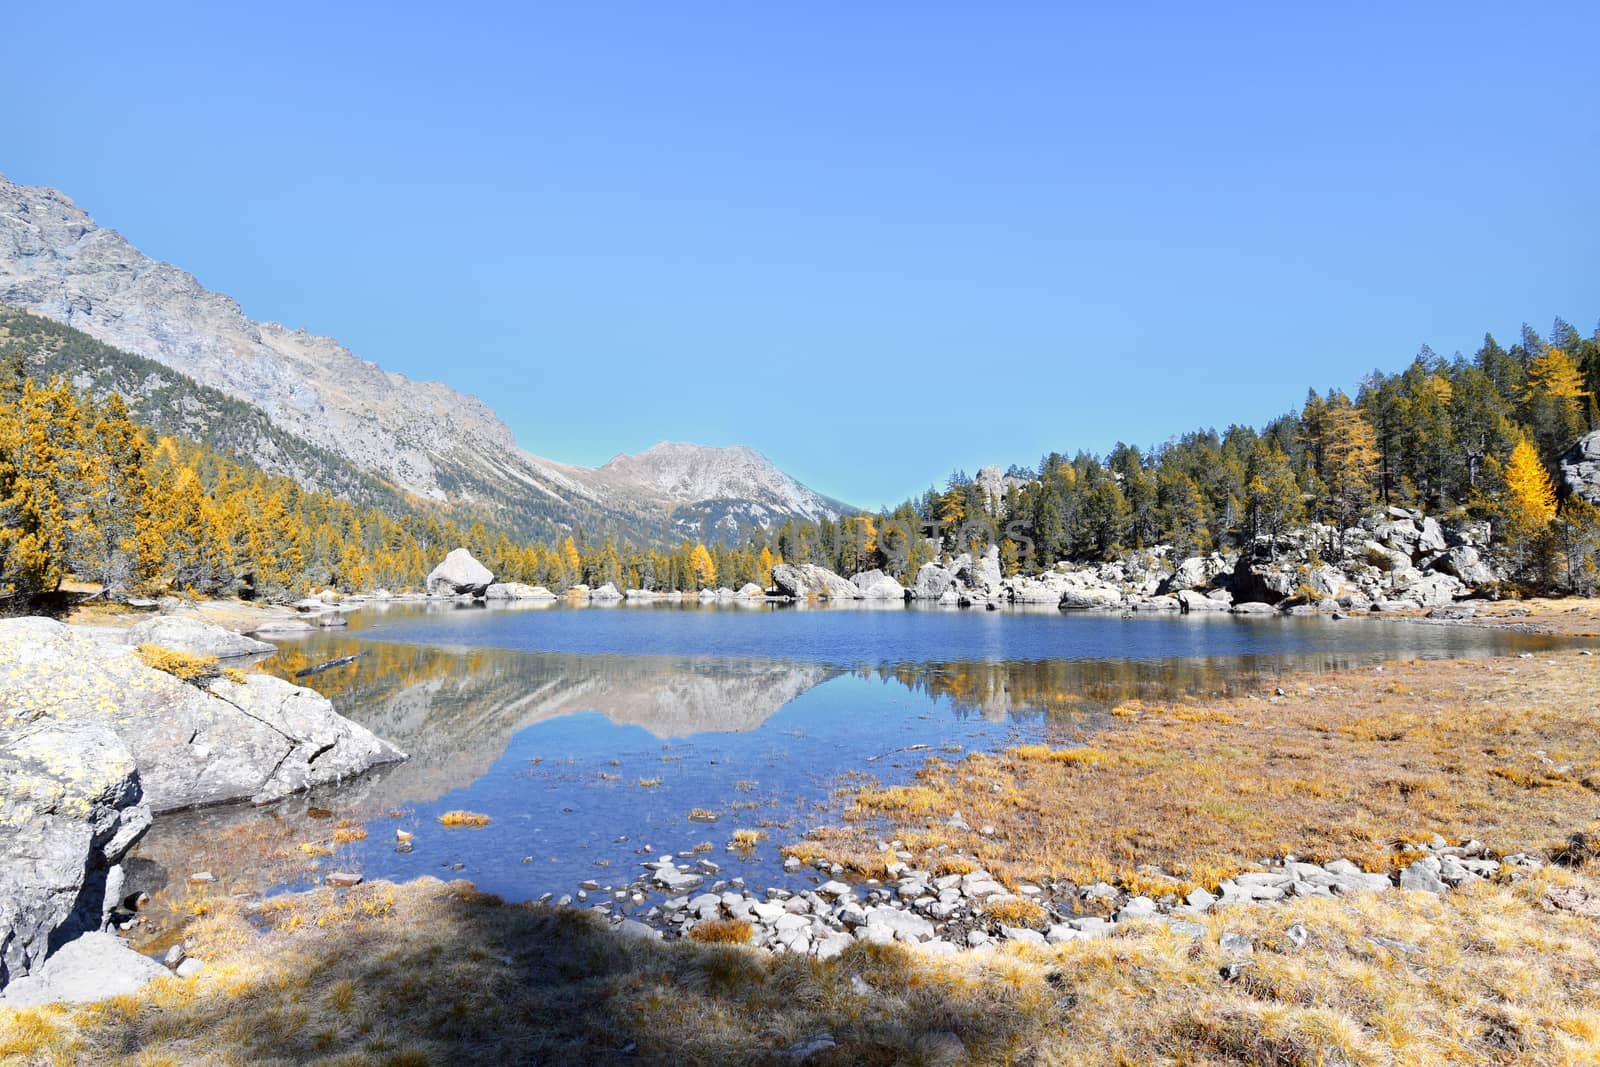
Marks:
<point>196,637</point>
<point>517,591</point>
<point>256,740</point>
<point>94,966</point>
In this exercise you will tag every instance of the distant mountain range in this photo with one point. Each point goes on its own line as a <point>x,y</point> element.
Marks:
<point>337,422</point>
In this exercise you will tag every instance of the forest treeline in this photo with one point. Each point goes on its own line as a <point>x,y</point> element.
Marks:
<point>88,493</point>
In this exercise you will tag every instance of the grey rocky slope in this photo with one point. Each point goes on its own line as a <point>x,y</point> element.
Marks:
<point>421,437</point>
<point>1396,559</point>
<point>255,739</point>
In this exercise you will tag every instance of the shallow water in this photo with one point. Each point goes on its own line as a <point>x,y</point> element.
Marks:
<point>587,734</point>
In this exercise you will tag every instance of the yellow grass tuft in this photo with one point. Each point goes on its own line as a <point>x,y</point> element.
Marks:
<point>196,670</point>
<point>722,931</point>
<point>1017,912</point>
<point>745,840</point>
<point>469,819</point>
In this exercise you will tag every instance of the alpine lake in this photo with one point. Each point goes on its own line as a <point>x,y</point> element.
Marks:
<point>598,738</point>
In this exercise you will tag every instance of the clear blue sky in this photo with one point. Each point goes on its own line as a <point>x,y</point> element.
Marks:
<point>876,242</point>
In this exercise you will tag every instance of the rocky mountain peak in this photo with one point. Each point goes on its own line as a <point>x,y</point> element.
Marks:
<point>422,438</point>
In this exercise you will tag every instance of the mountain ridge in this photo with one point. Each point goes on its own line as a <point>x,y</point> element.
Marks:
<point>423,438</point>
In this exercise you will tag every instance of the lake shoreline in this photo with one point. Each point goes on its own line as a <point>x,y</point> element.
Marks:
<point>1300,944</point>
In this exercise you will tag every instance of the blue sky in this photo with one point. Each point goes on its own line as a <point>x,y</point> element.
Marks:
<point>876,242</point>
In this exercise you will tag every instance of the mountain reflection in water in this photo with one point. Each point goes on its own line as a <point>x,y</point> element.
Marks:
<point>581,757</point>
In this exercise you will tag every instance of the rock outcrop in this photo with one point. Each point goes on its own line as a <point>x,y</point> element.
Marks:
<point>1580,468</point>
<point>459,575</point>
<point>71,805</point>
<point>184,633</point>
<point>803,580</point>
<point>256,740</point>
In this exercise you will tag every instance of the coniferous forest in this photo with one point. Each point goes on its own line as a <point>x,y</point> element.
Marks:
<point>91,493</point>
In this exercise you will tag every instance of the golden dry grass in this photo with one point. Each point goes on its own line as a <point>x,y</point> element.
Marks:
<point>429,973</point>
<point>1351,764</point>
<point>182,665</point>
<point>463,819</point>
<point>722,931</point>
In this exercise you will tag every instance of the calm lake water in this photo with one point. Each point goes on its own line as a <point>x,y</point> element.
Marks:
<point>588,733</point>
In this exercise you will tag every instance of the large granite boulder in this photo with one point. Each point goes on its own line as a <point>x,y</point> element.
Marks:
<point>459,575</point>
<point>876,585</point>
<point>1194,603</point>
<point>71,806</point>
<point>606,592</point>
<point>802,580</point>
<point>184,633</point>
<point>1195,572</point>
<point>253,740</point>
<point>932,582</point>
<point>1580,468</point>
<point>1432,591</point>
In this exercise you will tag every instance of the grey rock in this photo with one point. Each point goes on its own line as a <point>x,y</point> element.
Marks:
<point>258,740</point>
<point>904,925</point>
<point>876,585</point>
<point>633,928</point>
<point>1090,598</point>
<point>459,574</point>
<point>606,592</point>
<point>933,581</point>
<point>71,806</point>
<point>1467,563</point>
<point>1580,468</point>
<point>1235,944</point>
<point>517,591</point>
<point>805,580</point>
<point>1420,875</point>
<point>196,637</point>
<point>95,966</point>
<point>1023,935</point>
<point>1193,602</point>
